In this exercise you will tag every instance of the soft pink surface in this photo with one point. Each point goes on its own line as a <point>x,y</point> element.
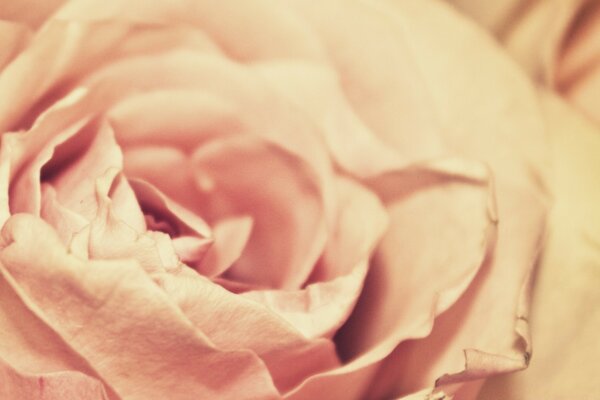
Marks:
<point>263,199</point>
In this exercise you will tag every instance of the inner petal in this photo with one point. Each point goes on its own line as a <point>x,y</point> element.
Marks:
<point>241,175</point>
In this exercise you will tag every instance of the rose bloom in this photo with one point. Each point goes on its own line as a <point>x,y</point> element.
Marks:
<point>273,200</point>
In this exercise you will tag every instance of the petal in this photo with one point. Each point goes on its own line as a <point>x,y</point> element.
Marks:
<point>564,317</point>
<point>242,176</point>
<point>153,200</point>
<point>235,323</point>
<point>230,239</point>
<point>500,344</point>
<point>391,97</point>
<point>28,345</point>
<point>166,168</point>
<point>24,154</point>
<point>77,163</point>
<point>30,12</point>
<point>107,236</point>
<point>444,45</point>
<point>66,385</point>
<point>65,222</point>
<point>120,321</point>
<point>69,166</point>
<point>321,307</point>
<point>440,231</point>
<point>230,88</point>
<point>361,221</point>
<point>485,86</point>
<point>69,50</point>
<point>269,29</point>
<point>188,116</point>
<point>316,90</point>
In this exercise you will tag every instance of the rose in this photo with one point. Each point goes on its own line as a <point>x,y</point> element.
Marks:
<point>100,217</point>
<point>245,200</point>
<point>555,41</point>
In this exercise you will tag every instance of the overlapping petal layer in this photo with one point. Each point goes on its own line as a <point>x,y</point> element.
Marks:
<point>249,202</point>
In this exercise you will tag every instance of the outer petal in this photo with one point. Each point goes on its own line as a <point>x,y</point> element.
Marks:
<point>67,385</point>
<point>485,86</point>
<point>442,227</point>
<point>268,28</point>
<point>236,323</point>
<point>418,272</point>
<point>317,91</point>
<point>516,159</point>
<point>122,323</point>
<point>445,45</point>
<point>565,315</point>
<point>70,49</point>
<point>29,347</point>
<point>13,37</point>
<point>30,12</point>
<point>321,307</point>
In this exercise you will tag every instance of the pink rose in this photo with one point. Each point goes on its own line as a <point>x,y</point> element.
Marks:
<point>262,200</point>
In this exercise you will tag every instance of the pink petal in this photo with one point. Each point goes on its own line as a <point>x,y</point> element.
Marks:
<point>29,345</point>
<point>13,38</point>
<point>153,164</point>
<point>65,222</point>
<point>269,28</point>
<point>466,103</point>
<point>500,344</point>
<point>77,163</point>
<point>122,323</point>
<point>153,199</point>
<point>24,154</point>
<point>473,97</point>
<point>231,89</point>
<point>71,170</point>
<point>390,96</point>
<point>230,239</point>
<point>242,176</point>
<point>320,308</point>
<point>69,50</point>
<point>440,232</point>
<point>109,237</point>
<point>564,315</point>
<point>30,12</point>
<point>439,235</point>
<point>235,323</point>
<point>315,90</point>
<point>68,385</point>
<point>189,116</point>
